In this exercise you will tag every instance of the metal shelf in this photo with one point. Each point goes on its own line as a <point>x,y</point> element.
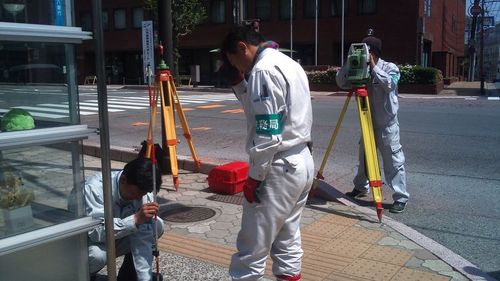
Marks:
<point>10,140</point>
<point>25,32</point>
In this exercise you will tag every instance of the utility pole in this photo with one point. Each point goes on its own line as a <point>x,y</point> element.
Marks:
<point>481,58</point>
<point>474,10</point>
<point>165,31</point>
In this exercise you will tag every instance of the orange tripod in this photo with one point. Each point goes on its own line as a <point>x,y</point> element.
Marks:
<point>165,89</point>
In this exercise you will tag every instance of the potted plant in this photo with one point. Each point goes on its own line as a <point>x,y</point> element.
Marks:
<point>15,203</point>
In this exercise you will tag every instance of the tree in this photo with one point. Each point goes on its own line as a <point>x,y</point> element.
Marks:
<point>186,15</point>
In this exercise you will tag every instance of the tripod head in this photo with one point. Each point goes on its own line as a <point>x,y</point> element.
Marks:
<point>358,61</point>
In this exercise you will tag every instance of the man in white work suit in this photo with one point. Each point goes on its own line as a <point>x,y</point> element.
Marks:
<point>277,105</point>
<point>383,94</point>
<point>133,213</point>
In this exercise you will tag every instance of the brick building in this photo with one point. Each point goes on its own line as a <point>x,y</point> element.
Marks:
<point>424,32</point>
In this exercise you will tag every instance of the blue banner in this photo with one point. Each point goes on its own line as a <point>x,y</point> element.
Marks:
<point>59,12</point>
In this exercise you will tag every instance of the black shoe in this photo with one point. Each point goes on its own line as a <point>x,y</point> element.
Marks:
<point>397,207</point>
<point>356,193</point>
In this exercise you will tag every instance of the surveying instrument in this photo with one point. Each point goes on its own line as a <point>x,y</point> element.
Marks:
<point>358,73</point>
<point>164,89</point>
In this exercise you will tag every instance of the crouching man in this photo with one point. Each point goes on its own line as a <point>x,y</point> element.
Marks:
<point>133,215</point>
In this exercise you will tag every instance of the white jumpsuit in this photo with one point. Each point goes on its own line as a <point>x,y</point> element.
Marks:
<point>277,105</point>
<point>129,238</point>
<point>383,94</point>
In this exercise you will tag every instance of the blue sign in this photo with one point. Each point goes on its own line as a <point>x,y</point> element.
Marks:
<point>59,12</point>
<point>488,22</point>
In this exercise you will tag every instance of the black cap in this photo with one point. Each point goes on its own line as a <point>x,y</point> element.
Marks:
<point>374,43</point>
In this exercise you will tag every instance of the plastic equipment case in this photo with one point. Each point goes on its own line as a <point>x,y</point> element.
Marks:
<point>228,178</point>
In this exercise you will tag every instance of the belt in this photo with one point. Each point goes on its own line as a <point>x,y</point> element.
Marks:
<point>292,150</point>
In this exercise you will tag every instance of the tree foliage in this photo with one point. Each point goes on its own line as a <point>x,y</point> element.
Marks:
<point>186,14</point>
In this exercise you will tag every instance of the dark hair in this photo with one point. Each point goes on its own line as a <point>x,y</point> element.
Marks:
<point>374,43</point>
<point>139,172</point>
<point>245,34</point>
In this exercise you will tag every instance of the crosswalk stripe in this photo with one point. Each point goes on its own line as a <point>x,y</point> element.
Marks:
<point>31,108</point>
<point>91,108</point>
<point>39,114</point>
<point>114,106</point>
<point>122,102</point>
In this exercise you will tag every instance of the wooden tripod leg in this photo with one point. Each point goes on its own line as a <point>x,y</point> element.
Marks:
<point>169,129</point>
<point>370,149</point>
<point>184,124</point>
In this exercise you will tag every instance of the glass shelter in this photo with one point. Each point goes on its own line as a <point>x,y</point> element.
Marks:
<point>42,224</point>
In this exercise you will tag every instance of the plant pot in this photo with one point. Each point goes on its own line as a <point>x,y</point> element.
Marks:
<point>18,219</point>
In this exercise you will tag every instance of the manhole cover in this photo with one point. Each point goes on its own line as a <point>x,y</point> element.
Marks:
<point>187,214</point>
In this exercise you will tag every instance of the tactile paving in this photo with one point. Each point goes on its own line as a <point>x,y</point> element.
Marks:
<point>339,276</point>
<point>310,241</point>
<point>324,229</point>
<point>361,235</point>
<point>345,248</point>
<point>195,248</point>
<point>387,254</point>
<point>407,274</point>
<point>336,219</point>
<point>371,270</point>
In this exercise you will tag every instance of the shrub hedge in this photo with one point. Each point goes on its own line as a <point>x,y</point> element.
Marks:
<point>410,74</point>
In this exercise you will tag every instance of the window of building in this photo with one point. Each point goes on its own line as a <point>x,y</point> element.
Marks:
<point>120,19</point>
<point>218,11</point>
<point>310,8</point>
<point>336,7</point>
<point>86,21</point>
<point>105,21</point>
<point>367,7</point>
<point>285,9</point>
<point>137,17</point>
<point>427,7</point>
<point>453,23</point>
<point>263,9</point>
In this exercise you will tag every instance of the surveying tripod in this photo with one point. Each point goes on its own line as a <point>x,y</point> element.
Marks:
<point>368,138</point>
<point>164,87</point>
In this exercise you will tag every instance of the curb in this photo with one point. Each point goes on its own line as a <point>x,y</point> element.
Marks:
<point>471,271</point>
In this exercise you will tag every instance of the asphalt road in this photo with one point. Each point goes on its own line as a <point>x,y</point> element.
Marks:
<point>451,145</point>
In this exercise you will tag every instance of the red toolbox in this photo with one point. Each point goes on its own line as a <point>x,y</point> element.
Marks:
<point>228,178</point>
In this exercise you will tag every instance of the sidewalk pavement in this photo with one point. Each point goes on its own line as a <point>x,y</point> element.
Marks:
<point>341,240</point>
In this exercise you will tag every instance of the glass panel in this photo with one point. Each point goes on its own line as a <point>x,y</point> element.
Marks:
<point>218,11</point>
<point>138,17</point>
<point>120,19</point>
<point>285,9</point>
<point>263,9</point>
<point>367,7</point>
<point>86,21</point>
<point>105,22</point>
<point>34,79</point>
<point>336,7</point>
<point>37,12</point>
<point>35,185</point>
<point>310,8</point>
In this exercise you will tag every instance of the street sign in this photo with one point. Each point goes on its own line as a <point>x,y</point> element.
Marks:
<point>148,55</point>
<point>475,10</point>
<point>487,23</point>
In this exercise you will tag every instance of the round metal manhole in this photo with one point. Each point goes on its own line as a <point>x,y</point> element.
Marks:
<point>185,214</point>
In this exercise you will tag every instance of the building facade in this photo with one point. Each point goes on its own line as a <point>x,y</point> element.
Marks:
<point>422,32</point>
